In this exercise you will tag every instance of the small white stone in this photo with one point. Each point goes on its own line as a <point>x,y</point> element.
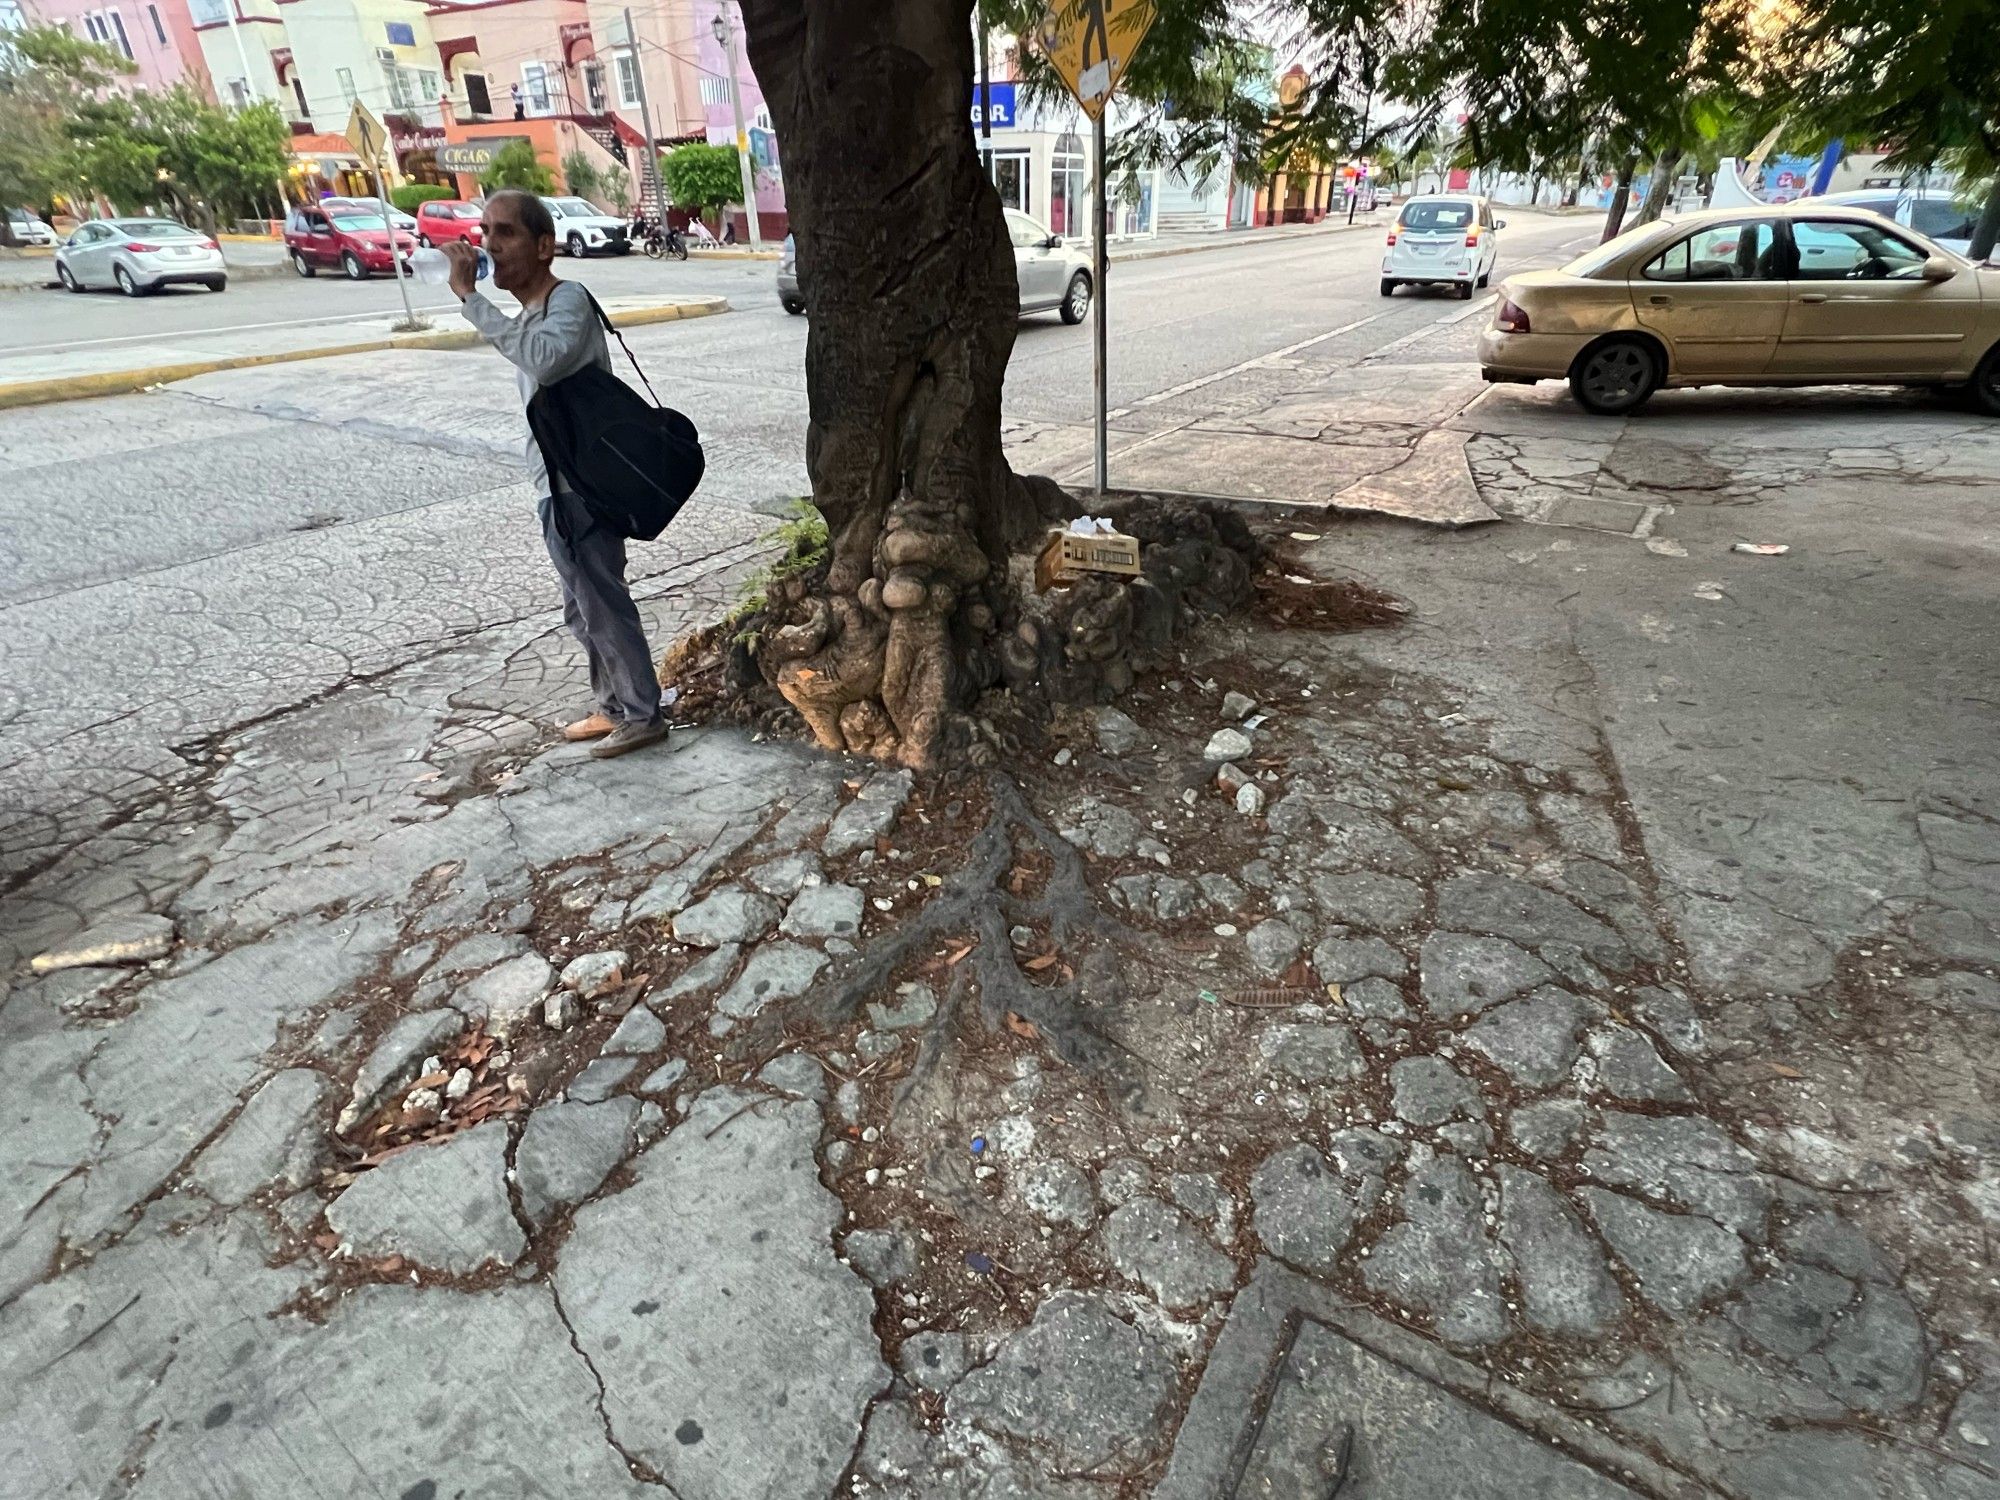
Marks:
<point>1227,744</point>
<point>433,1064</point>
<point>559,1010</point>
<point>460,1085</point>
<point>871,1135</point>
<point>1225,929</point>
<point>871,1176</point>
<point>1063,757</point>
<point>1250,800</point>
<point>424,1102</point>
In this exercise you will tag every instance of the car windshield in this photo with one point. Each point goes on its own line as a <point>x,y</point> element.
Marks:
<point>158,229</point>
<point>1591,262</point>
<point>359,223</point>
<point>576,207</point>
<point>1940,219</point>
<point>1437,215</point>
<point>462,211</point>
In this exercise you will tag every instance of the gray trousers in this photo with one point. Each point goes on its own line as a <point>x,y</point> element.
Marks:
<point>598,608</point>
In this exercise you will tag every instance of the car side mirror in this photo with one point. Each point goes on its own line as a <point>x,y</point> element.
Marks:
<point>1937,268</point>
<point>1053,242</point>
<point>1499,223</point>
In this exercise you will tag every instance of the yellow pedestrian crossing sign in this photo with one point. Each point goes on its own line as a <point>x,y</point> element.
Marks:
<point>1090,43</point>
<point>366,134</point>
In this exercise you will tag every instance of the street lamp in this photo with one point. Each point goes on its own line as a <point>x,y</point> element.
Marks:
<point>726,35</point>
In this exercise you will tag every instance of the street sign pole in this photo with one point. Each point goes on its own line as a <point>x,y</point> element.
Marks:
<point>1090,44</point>
<point>1100,232</point>
<point>395,260</point>
<point>370,140</point>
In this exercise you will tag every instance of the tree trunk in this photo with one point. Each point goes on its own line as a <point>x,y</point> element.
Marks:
<point>907,270</point>
<point>1660,189</point>
<point>1987,230</point>
<point>1614,218</point>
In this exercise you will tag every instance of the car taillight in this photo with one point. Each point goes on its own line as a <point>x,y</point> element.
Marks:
<point>1472,238</point>
<point>213,244</point>
<point>1510,318</point>
<point>138,249</point>
<point>1394,230</point>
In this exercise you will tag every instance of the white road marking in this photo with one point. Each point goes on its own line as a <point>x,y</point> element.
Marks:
<point>1237,369</point>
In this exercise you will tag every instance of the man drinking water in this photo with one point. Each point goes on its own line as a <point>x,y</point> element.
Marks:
<point>556,334</point>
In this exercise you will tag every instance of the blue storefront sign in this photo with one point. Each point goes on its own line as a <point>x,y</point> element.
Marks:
<point>1002,97</point>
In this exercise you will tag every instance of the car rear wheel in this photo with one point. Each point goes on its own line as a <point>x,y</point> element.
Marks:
<point>1388,287</point>
<point>303,266</point>
<point>1985,387</point>
<point>68,280</point>
<point>351,266</point>
<point>217,283</point>
<point>1465,291</point>
<point>1076,301</point>
<point>576,246</point>
<point>1614,377</point>
<point>793,305</point>
<point>127,285</point>
<point>425,241</point>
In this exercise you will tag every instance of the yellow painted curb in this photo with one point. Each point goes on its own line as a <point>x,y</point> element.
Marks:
<point>125,382</point>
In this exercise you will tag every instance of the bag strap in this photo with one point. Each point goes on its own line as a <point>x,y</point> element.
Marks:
<point>612,329</point>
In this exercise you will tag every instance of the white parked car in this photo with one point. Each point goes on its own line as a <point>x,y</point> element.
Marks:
<point>1053,274</point>
<point>1442,239</point>
<point>139,256</point>
<point>29,230</point>
<point>582,227</point>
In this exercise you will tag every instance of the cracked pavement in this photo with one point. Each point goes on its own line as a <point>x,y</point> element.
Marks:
<point>1645,1145</point>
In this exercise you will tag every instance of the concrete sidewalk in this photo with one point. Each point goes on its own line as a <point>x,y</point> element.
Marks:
<point>490,1120</point>
<point>98,370</point>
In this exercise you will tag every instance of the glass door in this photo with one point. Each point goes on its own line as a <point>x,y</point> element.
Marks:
<point>1009,171</point>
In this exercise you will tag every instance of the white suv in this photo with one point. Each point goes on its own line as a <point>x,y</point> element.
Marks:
<point>583,227</point>
<point>1442,239</point>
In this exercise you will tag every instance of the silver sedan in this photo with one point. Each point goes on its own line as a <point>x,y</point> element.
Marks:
<point>138,256</point>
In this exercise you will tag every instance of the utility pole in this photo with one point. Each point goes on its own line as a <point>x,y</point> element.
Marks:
<point>650,173</point>
<point>726,34</point>
<point>1100,231</point>
<point>242,52</point>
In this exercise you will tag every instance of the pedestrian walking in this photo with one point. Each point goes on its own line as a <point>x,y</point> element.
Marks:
<point>556,334</point>
<point>520,110</point>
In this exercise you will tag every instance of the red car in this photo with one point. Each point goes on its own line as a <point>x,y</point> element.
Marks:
<point>446,219</point>
<point>352,238</point>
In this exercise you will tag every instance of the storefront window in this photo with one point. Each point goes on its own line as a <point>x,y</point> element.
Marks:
<point>1069,213</point>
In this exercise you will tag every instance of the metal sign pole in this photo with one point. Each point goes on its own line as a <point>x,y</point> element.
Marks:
<point>395,260</point>
<point>1100,232</point>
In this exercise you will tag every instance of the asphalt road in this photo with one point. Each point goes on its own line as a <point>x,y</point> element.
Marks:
<point>180,561</point>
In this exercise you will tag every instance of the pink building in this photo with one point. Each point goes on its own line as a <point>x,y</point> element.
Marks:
<point>157,35</point>
<point>715,87</point>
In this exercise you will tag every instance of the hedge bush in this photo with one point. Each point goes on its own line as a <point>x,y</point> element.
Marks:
<point>411,194</point>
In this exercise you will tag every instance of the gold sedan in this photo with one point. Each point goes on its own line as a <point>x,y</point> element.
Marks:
<point>1799,294</point>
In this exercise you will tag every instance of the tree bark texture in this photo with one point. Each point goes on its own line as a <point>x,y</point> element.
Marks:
<point>1614,218</point>
<point>1659,191</point>
<point>1987,230</point>
<point>907,271</point>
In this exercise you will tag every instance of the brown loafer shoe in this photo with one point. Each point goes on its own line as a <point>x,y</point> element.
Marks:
<point>628,737</point>
<point>596,727</point>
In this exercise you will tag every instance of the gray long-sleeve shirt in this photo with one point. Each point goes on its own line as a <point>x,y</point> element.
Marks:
<point>544,344</point>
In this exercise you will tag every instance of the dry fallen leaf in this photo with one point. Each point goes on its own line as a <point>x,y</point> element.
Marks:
<point>958,956</point>
<point>1021,1026</point>
<point>1785,1071</point>
<point>1333,994</point>
<point>1037,965</point>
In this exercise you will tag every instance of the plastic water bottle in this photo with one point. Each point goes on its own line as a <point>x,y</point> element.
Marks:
<point>433,266</point>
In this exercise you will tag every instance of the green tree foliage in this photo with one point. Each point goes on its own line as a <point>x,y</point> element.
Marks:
<point>413,195</point>
<point>580,175</point>
<point>45,74</point>
<point>1923,78</point>
<point>701,178</point>
<point>516,166</point>
<point>177,148</point>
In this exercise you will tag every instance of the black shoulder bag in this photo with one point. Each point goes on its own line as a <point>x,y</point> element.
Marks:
<point>632,465</point>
